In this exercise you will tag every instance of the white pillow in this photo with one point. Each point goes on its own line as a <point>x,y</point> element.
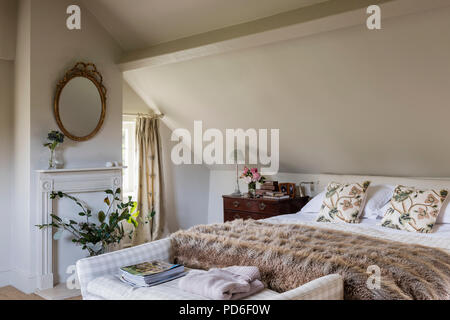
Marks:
<point>313,206</point>
<point>444,215</point>
<point>377,197</point>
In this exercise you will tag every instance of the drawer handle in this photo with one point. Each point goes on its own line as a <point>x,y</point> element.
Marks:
<point>262,206</point>
<point>249,204</point>
<point>236,204</point>
<point>236,216</point>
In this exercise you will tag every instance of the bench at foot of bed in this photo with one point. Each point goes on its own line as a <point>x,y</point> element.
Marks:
<point>98,281</point>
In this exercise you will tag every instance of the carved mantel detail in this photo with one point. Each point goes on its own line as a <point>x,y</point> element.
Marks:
<point>46,186</point>
<point>68,181</point>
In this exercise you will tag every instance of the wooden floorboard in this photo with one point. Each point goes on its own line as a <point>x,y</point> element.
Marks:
<point>11,293</point>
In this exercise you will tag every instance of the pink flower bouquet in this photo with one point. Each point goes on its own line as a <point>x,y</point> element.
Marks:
<point>251,177</point>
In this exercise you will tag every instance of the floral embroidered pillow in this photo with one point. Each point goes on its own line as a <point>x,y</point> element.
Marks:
<point>343,202</point>
<point>413,209</point>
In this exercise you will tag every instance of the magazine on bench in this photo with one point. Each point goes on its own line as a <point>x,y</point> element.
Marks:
<point>151,273</point>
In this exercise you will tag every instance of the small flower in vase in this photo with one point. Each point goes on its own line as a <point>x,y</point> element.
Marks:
<point>54,138</point>
<point>251,177</point>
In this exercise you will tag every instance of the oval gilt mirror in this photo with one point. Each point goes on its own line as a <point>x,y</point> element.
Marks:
<point>80,102</point>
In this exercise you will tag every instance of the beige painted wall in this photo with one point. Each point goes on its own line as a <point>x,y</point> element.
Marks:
<point>21,237</point>
<point>132,103</point>
<point>185,190</point>
<point>8,11</point>
<point>41,62</point>
<point>347,101</point>
<point>51,57</point>
<point>6,163</point>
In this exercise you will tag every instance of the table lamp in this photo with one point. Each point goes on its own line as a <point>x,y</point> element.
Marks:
<point>236,155</point>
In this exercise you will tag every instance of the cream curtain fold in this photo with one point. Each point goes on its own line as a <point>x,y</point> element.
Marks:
<point>148,145</point>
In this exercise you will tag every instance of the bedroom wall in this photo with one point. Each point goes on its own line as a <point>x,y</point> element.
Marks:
<point>132,103</point>
<point>8,16</point>
<point>185,191</point>
<point>6,163</point>
<point>51,57</point>
<point>44,55</point>
<point>19,221</point>
<point>346,101</point>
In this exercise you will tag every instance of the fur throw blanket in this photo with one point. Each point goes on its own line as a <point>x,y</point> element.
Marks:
<point>291,255</point>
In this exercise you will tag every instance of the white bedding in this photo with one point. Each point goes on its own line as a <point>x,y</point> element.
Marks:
<point>439,238</point>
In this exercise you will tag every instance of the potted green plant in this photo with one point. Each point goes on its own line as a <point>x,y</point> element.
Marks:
<point>97,236</point>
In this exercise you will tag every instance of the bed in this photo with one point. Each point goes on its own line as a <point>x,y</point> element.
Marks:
<point>439,238</point>
<point>425,257</point>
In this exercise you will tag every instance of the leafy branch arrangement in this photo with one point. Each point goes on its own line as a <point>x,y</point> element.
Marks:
<point>54,139</point>
<point>92,236</point>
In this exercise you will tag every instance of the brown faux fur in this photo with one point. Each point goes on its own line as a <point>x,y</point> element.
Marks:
<point>291,255</point>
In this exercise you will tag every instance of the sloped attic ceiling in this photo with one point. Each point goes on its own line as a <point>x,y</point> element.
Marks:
<point>138,24</point>
<point>346,101</point>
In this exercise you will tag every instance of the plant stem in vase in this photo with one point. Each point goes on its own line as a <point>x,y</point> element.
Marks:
<point>252,189</point>
<point>251,177</point>
<point>54,139</point>
<point>51,161</point>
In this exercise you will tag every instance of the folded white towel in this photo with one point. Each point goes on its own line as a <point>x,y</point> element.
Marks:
<point>230,283</point>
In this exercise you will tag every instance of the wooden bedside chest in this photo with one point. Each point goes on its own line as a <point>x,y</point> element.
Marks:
<point>259,208</point>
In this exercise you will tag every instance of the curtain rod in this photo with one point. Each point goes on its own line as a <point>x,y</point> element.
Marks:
<point>160,116</point>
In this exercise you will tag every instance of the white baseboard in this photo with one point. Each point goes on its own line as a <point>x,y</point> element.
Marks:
<point>22,281</point>
<point>5,278</point>
<point>29,284</point>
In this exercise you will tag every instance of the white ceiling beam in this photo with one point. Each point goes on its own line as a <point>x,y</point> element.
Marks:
<point>299,23</point>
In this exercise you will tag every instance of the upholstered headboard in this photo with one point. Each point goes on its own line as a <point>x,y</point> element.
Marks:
<point>321,181</point>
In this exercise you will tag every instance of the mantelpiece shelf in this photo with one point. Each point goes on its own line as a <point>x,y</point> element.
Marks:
<point>79,169</point>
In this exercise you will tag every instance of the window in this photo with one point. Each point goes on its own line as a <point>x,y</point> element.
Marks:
<point>129,158</point>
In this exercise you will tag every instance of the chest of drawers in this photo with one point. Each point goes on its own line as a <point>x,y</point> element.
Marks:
<point>258,208</point>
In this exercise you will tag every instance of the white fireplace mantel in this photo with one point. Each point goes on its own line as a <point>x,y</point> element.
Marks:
<point>56,171</point>
<point>77,180</point>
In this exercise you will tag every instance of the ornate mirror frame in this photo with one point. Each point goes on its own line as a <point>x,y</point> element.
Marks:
<point>89,71</point>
